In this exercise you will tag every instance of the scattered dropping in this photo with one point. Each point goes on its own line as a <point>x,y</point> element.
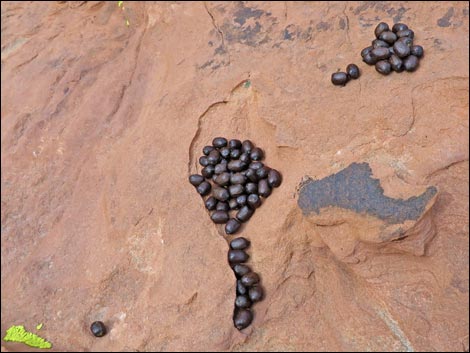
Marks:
<point>98,329</point>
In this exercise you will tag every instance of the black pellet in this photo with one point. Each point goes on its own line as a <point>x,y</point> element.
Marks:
<point>220,217</point>
<point>250,279</point>
<point>263,188</point>
<point>381,27</point>
<point>388,37</point>
<point>401,49</point>
<point>232,226</point>
<point>380,53</point>
<point>223,179</point>
<point>236,165</point>
<point>244,214</point>
<point>235,153</point>
<point>255,165</point>
<point>98,329</point>
<point>397,27</point>
<point>411,63</point>
<point>238,256</point>
<point>220,168</point>
<point>240,270</point>
<point>233,204</point>
<point>207,149</point>
<point>211,203</point>
<point>236,190</point>
<point>222,206</point>
<point>378,43</point>
<point>406,40</point>
<point>203,161</point>
<point>204,188</point>
<point>242,318</point>
<point>239,243</point>
<point>242,200</point>
<point>237,178</point>
<point>274,178</point>
<point>339,78</point>
<point>252,188</point>
<point>406,33</point>
<point>257,154</point>
<point>255,293</point>
<point>219,142</point>
<point>196,179</point>
<point>251,175</point>
<point>247,146</point>
<point>254,201</point>
<point>241,289</point>
<point>213,157</point>
<point>225,152</point>
<point>220,194</point>
<point>242,301</point>
<point>262,172</point>
<point>369,60</point>
<point>208,171</point>
<point>235,144</point>
<point>366,51</point>
<point>417,50</point>
<point>396,63</point>
<point>353,71</point>
<point>383,67</point>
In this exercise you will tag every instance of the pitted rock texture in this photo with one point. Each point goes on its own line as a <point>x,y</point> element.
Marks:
<point>101,124</point>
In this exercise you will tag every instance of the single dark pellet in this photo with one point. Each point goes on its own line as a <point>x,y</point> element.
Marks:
<point>255,293</point>
<point>236,190</point>
<point>213,157</point>
<point>239,243</point>
<point>401,49</point>
<point>381,27</point>
<point>257,154</point>
<point>235,153</point>
<point>252,188</point>
<point>196,179</point>
<point>208,171</point>
<point>417,50</point>
<point>220,168</point>
<point>247,146</point>
<point>250,279</point>
<point>235,144</point>
<point>383,67</point>
<point>274,178</point>
<point>98,329</point>
<point>241,270</point>
<point>353,71</point>
<point>203,161</point>
<point>388,37</point>
<point>237,178</point>
<point>411,63</point>
<point>220,217</point>
<point>263,188</point>
<point>242,200</point>
<point>339,78</point>
<point>237,256</point>
<point>220,194</point>
<point>207,149</point>
<point>222,206</point>
<point>397,27</point>
<point>396,63</point>
<point>256,165</point>
<point>406,40</point>
<point>223,179</point>
<point>241,289</point>
<point>244,214</point>
<point>242,318</point>
<point>236,165</point>
<point>368,59</point>
<point>232,226</point>
<point>233,204</point>
<point>251,175</point>
<point>211,203</point>
<point>380,53</point>
<point>219,142</point>
<point>366,51</point>
<point>225,152</point>
<point>254,201</point>
<point>242,301</point>
<point>406,33</point>
<point>262,172</point>
<point>204,188</point>
<point>245,158</point>
<point>378,43</point>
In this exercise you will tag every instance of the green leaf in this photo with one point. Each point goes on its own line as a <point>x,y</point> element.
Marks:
<point>120,3</point>
<point>38,327</point>
<point>19,334</point>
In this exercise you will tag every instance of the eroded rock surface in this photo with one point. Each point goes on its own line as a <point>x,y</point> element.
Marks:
<point>101,126</point>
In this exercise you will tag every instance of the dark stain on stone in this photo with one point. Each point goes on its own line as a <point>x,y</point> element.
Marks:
<point>288,34</point>
<point>398,17</point>
<point>353,188</point>
<point>211,43</point>
<point>206,64</point>
<point>220,50</point>
<point>342,23</point>
<point>244,13</point>
<point>465,11</point>
<point>323,26</point>
<point>445,20</point>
